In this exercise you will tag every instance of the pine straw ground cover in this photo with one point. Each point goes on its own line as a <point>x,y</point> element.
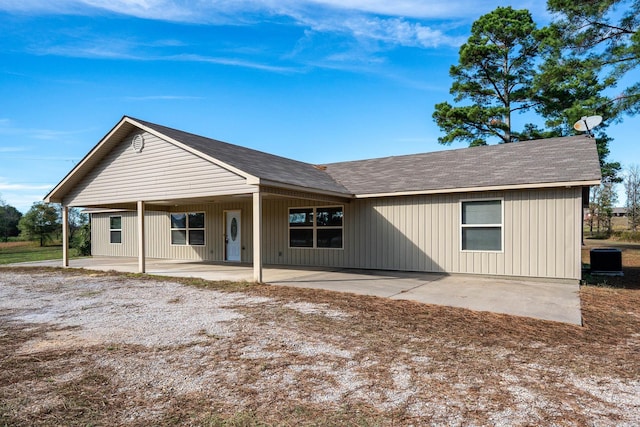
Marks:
<point>80,348</point>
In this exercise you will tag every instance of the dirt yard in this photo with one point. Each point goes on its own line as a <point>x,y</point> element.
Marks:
<point>108,349</point>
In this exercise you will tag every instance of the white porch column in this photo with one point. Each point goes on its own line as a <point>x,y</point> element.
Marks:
<point>65,236</point>
<point>257,234</point>
<point>141,242</point>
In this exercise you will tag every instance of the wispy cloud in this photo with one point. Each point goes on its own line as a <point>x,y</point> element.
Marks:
<point>109,48</point>
<point>6,128</point>
<point>212,10</point>
<point>397,22</point>
<point>5,186</point>
<point>392,31</point>
<point>232,62</point>
<point>11,149</point>
<point>161,98</point>
<point>359,32</point>
<point>96,48</point>
<point>22,196</point>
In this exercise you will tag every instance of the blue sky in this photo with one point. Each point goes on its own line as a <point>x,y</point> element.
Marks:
<point>314,80</point>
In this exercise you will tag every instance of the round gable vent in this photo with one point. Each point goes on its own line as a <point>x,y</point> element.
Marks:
<point>137,143</point>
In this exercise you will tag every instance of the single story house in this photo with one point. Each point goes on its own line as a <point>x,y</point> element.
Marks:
<point>619,211</point>
<point>506,210</point>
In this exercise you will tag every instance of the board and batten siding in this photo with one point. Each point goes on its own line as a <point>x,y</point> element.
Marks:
<point>541,234</point>
<point>100,235</point>
<point>160,171</point>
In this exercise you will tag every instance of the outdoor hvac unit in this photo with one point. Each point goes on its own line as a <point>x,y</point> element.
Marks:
<point>606,261</point>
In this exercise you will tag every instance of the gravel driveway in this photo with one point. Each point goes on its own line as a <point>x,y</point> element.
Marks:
<point>160,344</point>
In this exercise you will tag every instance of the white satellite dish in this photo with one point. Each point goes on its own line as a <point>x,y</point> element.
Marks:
<point>585,124</point>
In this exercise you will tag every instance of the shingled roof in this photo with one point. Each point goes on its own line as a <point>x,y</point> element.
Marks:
<point>571,159</point>
<point>550,162</point>
<point>257,163</point>
<point>530,163</point>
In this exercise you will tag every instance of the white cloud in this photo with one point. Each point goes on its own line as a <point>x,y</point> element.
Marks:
<point>22,201</point>
<point>362,28</point>
<point>5,186</point>
<point>96,48</point>
<point>124,49</point>
<point>22,196</point>
<point>231,61</point>
<point>161,98</point>
<point>35,133</point>
<point>399,31</point>
<point>213,10</point>
<point>11,149</point>
<point>393,22</point>
<point>407,8</point>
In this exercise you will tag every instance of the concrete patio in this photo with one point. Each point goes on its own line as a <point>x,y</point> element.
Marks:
<point>538,299</point>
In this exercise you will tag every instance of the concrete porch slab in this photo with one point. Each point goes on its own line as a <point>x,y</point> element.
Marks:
<point>554,301</point>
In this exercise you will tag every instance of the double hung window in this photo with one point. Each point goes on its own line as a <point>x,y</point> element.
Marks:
<point>188,228</point>
<point>481,225</point>
<point>115,229</point>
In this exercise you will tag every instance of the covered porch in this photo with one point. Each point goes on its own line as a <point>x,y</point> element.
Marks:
<point>147,236</point>
<point>140,167</point>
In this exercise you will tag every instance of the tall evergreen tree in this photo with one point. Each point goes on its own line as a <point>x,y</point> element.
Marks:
<point>606,33</point>
<point>493,79</point>
<point>568,88</point>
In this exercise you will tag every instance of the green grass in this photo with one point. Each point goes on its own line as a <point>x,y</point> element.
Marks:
<point>30,251</point>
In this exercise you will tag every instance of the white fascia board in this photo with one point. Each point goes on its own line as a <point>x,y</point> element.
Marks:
<point>477,189</point>
<point>105,139</point>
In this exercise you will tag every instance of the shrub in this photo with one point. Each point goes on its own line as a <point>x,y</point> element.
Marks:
<point>82,240</point>
<point>626,236</point>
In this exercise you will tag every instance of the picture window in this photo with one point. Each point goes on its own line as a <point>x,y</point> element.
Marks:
<point>320,227</point>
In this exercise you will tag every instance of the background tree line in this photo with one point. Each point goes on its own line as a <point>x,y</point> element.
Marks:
<point>604,197</point>
<point>43,223</point>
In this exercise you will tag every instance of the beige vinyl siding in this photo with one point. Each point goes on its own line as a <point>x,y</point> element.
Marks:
<point>161,171</point>
<point>541,234</point>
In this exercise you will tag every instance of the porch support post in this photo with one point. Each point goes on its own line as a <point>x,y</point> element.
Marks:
<point>257,234</point>
<point>141,242</point>
<point>65,236</point>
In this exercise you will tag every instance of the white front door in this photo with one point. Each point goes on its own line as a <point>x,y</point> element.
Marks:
<point>233,249</point>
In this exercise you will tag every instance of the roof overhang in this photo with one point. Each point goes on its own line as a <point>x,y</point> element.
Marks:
<point>280,188</point>
<point>477,189</point>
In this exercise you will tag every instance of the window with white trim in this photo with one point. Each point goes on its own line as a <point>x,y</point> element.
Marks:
<point>481,225</point>
<point>187,228</point>
<point>320,227</point>
<point>115,229</point>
